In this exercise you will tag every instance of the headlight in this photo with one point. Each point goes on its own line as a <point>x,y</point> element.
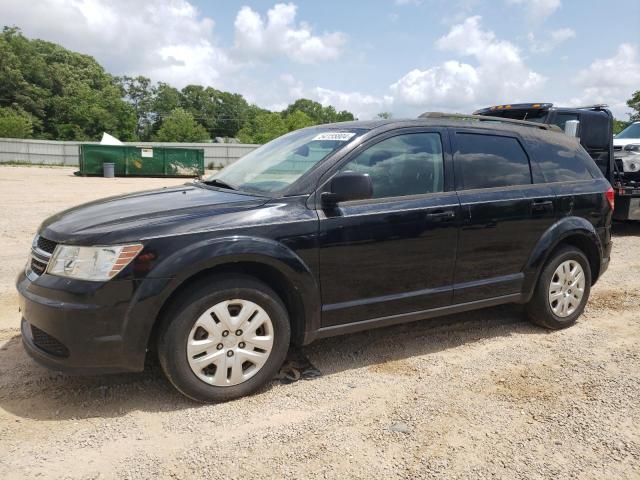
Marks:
<point>630,164</point>
<point>97,264</point>
<point>634,147</point>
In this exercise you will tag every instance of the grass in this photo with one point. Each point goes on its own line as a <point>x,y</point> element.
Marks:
<point>20,163</point>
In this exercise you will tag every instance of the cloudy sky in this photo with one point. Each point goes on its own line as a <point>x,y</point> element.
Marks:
<point>401,56</point>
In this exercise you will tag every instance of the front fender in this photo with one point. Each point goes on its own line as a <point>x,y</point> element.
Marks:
<point>559,231</point>
<point>195,258</point>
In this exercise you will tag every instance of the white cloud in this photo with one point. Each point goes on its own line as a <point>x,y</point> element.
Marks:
<point>363,106</point>
<point>279,35</point>
<point>538,9</point>
<point>556,37</point>
<point>611,80</point>
<point>168,40</point>
<point>451,85</point>
<point>499,74</point>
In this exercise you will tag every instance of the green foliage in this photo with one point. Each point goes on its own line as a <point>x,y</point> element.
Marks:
<point>384,115</point>
<point>180,126</point>
<point>619,125</point>
<point>263,128</point>
<point>317,112</point>
<point>634,104</point>
<point>139,92</point>
<point>297,120</point>
<point>68,96</point>
<point>15,124</point>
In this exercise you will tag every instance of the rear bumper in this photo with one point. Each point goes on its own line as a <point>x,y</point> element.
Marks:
<point>627,208</point>
<point>79,329</point>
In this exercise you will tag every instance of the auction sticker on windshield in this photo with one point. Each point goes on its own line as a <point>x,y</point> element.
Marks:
<point>335,136</point>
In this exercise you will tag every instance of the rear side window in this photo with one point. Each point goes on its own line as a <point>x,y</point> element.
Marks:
<point>489,161</point>
<point>562,164</point>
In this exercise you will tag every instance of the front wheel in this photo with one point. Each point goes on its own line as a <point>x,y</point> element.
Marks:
<point>562,290</point>
<point>225,339</point>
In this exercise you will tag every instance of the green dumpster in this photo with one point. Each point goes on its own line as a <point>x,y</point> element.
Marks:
<point>142,161</point>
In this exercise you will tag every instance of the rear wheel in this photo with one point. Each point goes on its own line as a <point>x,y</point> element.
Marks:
<point>562,290</point>
<point>225,339</point>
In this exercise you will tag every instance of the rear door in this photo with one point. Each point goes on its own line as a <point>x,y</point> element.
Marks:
<point>392,254</point>
<point>504,213</point>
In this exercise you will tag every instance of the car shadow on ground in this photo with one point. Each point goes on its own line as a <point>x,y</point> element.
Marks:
<point>30,391</point>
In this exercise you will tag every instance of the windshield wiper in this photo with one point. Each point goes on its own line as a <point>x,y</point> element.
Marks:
<point>219,183</point>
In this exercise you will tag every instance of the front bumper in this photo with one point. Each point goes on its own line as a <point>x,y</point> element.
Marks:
<point>77,326</point>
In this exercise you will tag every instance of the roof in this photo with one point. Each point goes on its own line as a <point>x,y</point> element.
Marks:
<point>437,119</point>
<point>534,106</point>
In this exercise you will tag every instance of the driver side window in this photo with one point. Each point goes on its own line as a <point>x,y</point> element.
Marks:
<point>409,164</point>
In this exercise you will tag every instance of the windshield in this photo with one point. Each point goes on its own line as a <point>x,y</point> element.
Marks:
<point>632,131</point>
<point>277,164</point>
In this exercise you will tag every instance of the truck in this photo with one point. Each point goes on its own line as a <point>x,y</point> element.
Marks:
<point>593,127</point>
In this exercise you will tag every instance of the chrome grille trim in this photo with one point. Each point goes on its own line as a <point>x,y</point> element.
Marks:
<point>37,255</point>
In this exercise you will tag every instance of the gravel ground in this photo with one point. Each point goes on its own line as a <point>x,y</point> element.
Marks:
<point>479,395</point>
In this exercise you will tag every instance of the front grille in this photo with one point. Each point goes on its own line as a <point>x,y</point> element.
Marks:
<point>49,344</point>
<point>46,245</point>
<point>38,267</point>
<point>41,252</point>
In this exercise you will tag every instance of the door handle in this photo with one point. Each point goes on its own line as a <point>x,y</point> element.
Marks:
<point>542,205</point>
<point>441,214</point>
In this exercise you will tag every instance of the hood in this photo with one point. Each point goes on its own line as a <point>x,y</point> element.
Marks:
<point>135,216</point>
<point>622,142</point>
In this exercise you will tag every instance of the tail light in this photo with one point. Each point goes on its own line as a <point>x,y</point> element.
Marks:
<point>611,197</point>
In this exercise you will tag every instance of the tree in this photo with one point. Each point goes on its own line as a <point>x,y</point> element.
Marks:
<point>317,112</point>
<point>297,120</point>
<point>619,125</point>
<point>384,115</point>
<point>68,95</point>
<point>180,126</point>
<point>139,92</point>
<point>263,128</point>
<point>634,104</point>
<point>15,124</point>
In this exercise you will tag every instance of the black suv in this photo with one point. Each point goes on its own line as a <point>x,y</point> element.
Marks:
<point>324,231</point>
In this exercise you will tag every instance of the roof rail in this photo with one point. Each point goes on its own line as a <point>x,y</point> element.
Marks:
<point>597,106</point>
<point>486,118</point>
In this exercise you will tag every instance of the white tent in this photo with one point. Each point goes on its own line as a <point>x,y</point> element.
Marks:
<point>109,140</point>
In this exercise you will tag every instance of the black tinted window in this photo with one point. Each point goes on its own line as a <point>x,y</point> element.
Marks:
<point>562,164</point>
<point>486,161</point>
<point>562,118</point>
<point>408,164</point>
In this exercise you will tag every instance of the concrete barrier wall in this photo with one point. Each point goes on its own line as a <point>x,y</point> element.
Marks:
<point>43,152</point>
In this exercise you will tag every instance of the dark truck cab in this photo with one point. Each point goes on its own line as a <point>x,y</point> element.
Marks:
<point>593,126</point>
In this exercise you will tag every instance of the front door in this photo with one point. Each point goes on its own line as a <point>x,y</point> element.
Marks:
<point>395,253</point>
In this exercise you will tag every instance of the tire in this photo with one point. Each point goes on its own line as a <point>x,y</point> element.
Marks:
<point>198,317</point>
<point>546,307</point>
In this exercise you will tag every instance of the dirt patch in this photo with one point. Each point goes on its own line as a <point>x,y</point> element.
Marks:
<point>616,300</point>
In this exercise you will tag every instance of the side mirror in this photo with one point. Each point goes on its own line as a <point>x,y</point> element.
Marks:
<point>571,127</point>
<point>347,186</point>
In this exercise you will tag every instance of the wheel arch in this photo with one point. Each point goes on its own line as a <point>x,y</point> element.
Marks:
<point>266,260</point>
<point>575,231</point>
